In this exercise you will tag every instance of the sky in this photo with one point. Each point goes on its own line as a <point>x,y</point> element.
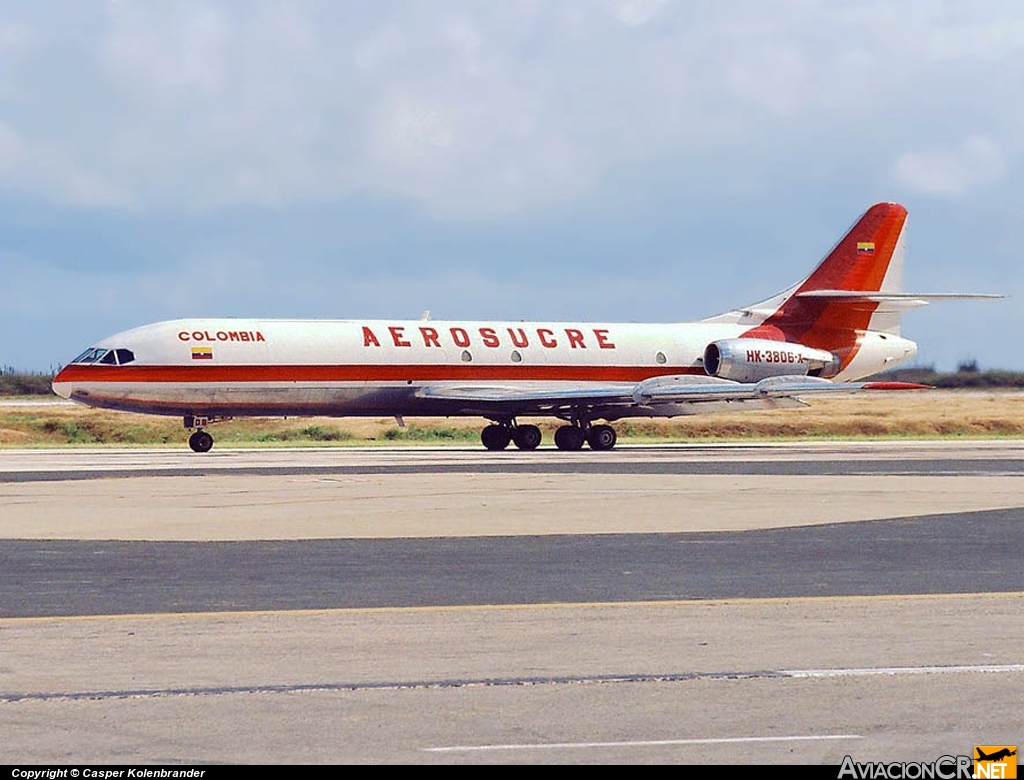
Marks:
<point>595,160</point>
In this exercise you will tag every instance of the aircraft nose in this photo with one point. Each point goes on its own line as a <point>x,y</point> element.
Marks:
<point>60,384</point>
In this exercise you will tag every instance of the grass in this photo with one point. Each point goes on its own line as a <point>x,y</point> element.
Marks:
<point>926,414</point>
<point>433,434</point>
<point>19,383</point>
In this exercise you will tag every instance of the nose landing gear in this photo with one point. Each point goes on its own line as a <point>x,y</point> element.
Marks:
<point>200,440</point>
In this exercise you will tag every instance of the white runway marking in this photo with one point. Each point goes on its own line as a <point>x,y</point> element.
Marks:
<point>893,670</point>
<point>493,682</point>
<point>643,743</point>
<point>791,673</point>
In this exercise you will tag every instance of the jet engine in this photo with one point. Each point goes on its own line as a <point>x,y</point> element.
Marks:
<point>751,360</point>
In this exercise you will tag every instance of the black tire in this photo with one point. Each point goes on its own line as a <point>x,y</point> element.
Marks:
<point>496,437</point>
<point>527,437</point>
<point>569,437</point>
<point>200,441</point>
<point>601,437</point>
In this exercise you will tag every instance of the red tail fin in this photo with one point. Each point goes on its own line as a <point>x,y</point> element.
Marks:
<point>869,258</point>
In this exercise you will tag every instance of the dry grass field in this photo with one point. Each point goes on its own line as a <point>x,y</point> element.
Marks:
<point>924,414</point>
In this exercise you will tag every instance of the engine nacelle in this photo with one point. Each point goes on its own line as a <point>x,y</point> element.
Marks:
<point>751,360</point>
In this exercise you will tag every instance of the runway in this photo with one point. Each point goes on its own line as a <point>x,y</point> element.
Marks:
<point>787,603</point>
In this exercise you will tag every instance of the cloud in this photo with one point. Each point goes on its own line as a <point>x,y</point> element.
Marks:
<point>36,168</point>
<point>634,12</point>
<point>474,111</point>
<point>974,163</point>
<point>180,48</point>
<point>11,149</point>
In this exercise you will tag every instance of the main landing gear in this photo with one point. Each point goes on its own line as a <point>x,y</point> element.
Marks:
<point>498,436</point>
<point>599,437</point>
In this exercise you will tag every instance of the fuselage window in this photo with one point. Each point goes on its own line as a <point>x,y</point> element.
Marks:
<point>661,359</point>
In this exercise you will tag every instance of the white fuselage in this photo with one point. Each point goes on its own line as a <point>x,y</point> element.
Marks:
<point>370,367</point>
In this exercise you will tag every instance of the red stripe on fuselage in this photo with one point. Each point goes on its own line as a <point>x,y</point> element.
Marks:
<point>192,374</point>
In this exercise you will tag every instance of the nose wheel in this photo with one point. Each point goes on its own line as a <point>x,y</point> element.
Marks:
<point>200,441</point>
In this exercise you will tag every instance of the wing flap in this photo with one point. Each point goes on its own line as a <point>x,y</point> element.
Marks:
<point>671,389</point>
<point>668,390</point>
<point>529,393</point>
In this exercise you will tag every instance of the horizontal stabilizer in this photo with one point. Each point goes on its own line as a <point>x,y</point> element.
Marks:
<point>884,296</point>
<point>890,302</point>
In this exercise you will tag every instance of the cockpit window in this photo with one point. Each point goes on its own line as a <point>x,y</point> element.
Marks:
<point>90,355</point>
<point>108,357</point>
<point>82,358</point>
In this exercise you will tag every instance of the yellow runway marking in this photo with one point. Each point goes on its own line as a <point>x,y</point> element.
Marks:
<point>519,607</point>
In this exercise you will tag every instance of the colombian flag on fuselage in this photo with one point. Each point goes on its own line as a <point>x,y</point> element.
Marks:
<point>202,353</point>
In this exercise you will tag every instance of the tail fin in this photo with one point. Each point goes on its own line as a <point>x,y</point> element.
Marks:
<point>846,293</point>
<point>855,289</point>
<point>869,258</point>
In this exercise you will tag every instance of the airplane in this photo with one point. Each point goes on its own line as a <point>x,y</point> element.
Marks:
<point>838,325</point>
<point>998,755</point>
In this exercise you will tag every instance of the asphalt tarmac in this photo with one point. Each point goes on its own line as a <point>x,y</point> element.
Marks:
<point>696,604</point>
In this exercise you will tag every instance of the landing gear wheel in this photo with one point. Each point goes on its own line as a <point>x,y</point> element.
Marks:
<point>569,437</point>
<point>200,441</point>
<point>601,437</point>
<point>527,437</point>
<point>496,437</point>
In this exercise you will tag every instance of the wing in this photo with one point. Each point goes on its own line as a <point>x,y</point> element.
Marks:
<point>666,396</point>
